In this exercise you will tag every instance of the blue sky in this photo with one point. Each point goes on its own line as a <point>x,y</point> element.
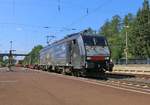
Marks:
<point>24,21</point>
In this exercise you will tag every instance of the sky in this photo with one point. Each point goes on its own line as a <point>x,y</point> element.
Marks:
<point>27,22</point>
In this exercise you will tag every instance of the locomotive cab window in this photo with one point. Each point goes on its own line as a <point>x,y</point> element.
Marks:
<point>94,41</point>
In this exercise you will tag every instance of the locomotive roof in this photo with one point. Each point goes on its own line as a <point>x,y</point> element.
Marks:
<point>68,37</point>
<point>73,36</point>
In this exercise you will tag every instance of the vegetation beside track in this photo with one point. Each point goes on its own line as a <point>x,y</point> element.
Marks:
<point>137,28</point>
<point>33,56</point>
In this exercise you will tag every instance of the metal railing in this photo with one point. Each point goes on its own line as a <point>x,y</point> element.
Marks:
<point>132,61</point>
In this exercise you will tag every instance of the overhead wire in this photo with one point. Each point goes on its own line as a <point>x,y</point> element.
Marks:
<point>30,25</point>
<point>89,13</point>
<point>84,16</point>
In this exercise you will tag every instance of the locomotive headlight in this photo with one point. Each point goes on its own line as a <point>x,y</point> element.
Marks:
<point>88,58</point>
<point>106,58</point>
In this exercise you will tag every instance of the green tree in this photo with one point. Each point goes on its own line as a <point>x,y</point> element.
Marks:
<point>33,56</point>
<point>111,29</point>
<point>127,26</point>
<point>141,32</point>
<point>1,61</point>
<point>105,29</point>
<point>138,32</point>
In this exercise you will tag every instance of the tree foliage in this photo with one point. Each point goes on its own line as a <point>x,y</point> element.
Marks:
<point>33,56</point>
<point>112,29</point>
<point>138,32</point>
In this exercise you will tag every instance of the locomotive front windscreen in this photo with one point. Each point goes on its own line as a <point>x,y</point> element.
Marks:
<point>96,45</point>
<point>94,41</point>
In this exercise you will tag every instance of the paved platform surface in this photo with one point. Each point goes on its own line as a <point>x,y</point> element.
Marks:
<point>27,87</point>
<point>134,69</point>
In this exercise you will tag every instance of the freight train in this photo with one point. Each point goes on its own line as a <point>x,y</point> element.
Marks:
<point>79,54</point>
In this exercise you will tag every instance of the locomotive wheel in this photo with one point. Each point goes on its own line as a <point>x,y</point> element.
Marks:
<point>76,73</point>
<point>83,73</point>
<point>73,73</point>
<point>49,69</point>
<point>63,71</point>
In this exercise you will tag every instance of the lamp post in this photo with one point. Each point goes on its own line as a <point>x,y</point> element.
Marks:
<point>126,49</point>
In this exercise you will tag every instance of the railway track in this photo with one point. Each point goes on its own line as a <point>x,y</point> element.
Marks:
<point>135,82</point>
<point>128,81</point>
<point>26,84</point>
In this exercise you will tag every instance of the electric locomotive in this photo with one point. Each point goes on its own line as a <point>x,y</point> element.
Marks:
<point>78,54</point>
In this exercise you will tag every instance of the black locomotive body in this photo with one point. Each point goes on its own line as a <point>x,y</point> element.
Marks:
<point>78,54</point>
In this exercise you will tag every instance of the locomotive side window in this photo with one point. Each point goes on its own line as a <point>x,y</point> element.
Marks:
<point>74,41</point>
